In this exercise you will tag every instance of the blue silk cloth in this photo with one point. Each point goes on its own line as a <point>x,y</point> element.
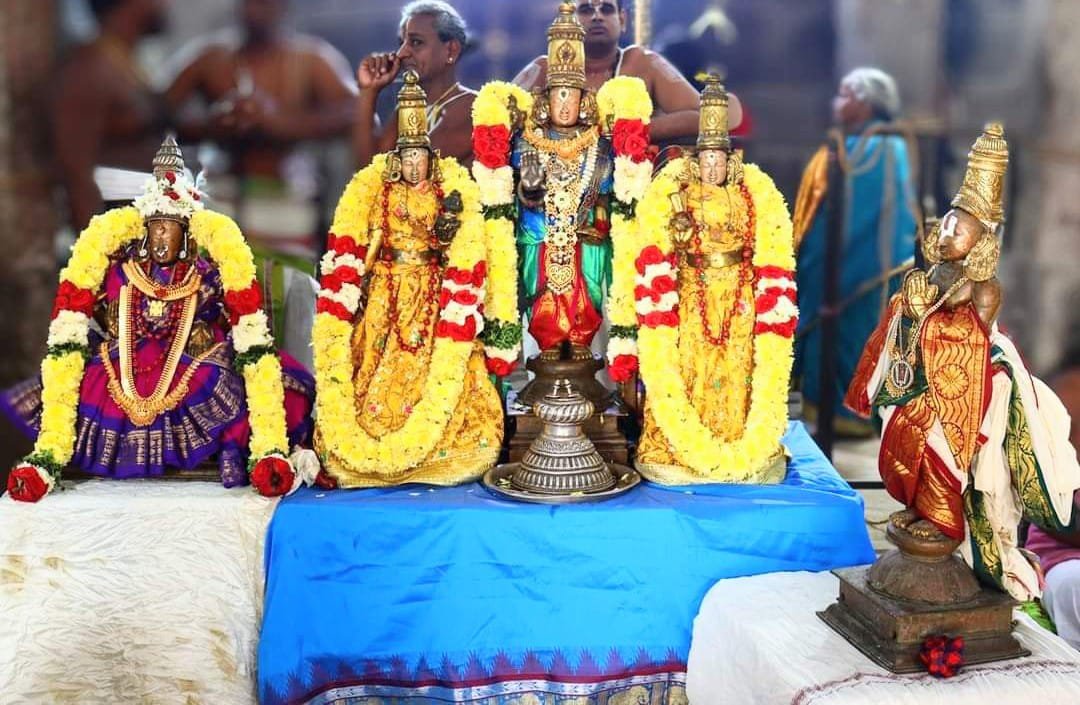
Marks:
<point>879,235</point>
<point>454,595</point>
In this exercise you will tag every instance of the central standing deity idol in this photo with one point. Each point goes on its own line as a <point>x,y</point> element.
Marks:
<point>559,167</point>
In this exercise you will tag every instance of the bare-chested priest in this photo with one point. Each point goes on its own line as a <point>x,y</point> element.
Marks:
<point>433,36</point>
<point>674,99</point>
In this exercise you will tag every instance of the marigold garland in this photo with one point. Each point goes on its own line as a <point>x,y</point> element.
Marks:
<point>64,364</point>
<point>459,323</point>
<point>692,442</point>
<point>625,107</point>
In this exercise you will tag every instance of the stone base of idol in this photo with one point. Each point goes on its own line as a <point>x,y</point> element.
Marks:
<point>890,631</point>
<point>919,589</point>
<point>757,640</point>
<point>125,591</point>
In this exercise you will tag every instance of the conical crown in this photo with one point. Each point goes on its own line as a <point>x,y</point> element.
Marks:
<point>412,114</point>
<point>566,50</point>
<point>168,158</point>
<point>984,181</point>
<point>713,118</point>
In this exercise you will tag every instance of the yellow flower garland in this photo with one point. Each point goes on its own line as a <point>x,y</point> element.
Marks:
<point>692,442</point>
<point>62,374</point>
<point>397,451</point>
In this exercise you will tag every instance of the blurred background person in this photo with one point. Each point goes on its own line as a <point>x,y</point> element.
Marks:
<point>105,111</point>
<point>878,239</point>
<point>265,91</point>
<point>675,101</point>
<point>432,37</point>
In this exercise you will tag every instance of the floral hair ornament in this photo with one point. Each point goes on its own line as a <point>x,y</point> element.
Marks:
<point>169,193</point>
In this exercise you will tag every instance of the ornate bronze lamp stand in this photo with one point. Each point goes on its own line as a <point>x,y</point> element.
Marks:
<point>561,465</point>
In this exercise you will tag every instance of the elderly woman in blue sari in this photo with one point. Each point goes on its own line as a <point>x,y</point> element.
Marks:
<point>879,234</point>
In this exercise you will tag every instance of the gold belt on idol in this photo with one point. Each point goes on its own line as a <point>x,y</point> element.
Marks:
<point>420,257</point>
<point>714,260</point>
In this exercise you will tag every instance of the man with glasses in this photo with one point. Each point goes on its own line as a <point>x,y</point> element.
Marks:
<point>675,100</point>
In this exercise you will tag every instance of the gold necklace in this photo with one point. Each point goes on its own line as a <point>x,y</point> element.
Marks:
<point>433,113</point>
<point>566,148</point>
<point>139,409</point>
<point>901,373</point>
<point>158,294</point>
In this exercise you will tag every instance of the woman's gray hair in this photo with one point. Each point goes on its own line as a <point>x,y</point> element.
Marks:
<point>875,87</point>
<point>448,23</point>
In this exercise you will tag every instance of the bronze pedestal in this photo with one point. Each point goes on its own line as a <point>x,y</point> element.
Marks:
<point>561,464</point>
<point>920,589</point>
<point>580,372</point>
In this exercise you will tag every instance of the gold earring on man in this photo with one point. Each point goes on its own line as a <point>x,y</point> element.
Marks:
<point>713,165</point>
<point>414,165</point>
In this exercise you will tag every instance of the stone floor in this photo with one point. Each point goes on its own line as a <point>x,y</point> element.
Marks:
<point>856,459</point>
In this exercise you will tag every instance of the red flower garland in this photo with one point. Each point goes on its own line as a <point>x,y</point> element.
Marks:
<point>942,656</point>
<point>242,302</point>
<point>491,145</point>
<point>623,367</point>
<point>71,298</point>
<point>630,138</point>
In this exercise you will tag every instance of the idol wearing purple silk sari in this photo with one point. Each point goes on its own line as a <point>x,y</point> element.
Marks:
<point>211,422</point>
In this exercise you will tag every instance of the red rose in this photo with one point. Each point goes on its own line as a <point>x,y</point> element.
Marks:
<point>660,318</point>
<point>491,145</point>
<point>663,284</point>
<point>643,292</point>
<point>25,484</point>
<point>324,481</point>
<point>784,330</point>
<point>465,297</point>
<point>347,275</point>
<point>460,333</point>
<point>272,476</point>
<point>462,277</point>
<point>500,367</point>
<point>170,177</point>
<point>242,302</point>
<point>331,281</point>
<point>630,138</point>
<point>479,272</point>
<point>71,298</point>
<point>623,367</point>
<point>650,255</point>
<point>335,309</point>
<point>444,297</point>
<point>173,195</point>
<point>773,272</point>
<point>345,245</point>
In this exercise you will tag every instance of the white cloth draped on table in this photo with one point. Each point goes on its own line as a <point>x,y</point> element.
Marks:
<point>132,591</point>
<point>759,640</point>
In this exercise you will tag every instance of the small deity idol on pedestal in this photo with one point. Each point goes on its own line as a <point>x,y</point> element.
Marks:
<point>550,160</point>
<point>971,444</point>
<point>714,293</point>
<point>403,390</point>
<point>180,367</point>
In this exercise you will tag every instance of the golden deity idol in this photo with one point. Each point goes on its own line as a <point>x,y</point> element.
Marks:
<point>715,302</point>
<point>403,392</point>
